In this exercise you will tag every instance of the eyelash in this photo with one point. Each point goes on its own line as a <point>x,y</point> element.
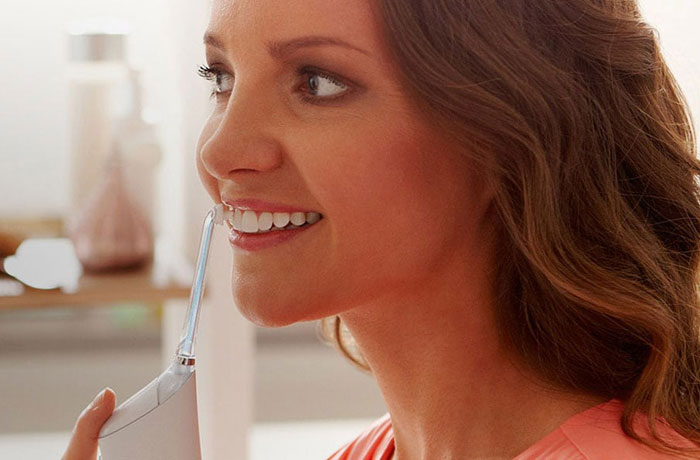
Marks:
<point>213,74</point>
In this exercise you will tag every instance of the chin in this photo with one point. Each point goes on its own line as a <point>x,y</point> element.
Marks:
<point>265,311</point>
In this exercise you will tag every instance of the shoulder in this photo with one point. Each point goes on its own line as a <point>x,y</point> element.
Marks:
<point>596,434</point>
<point>375,443</point>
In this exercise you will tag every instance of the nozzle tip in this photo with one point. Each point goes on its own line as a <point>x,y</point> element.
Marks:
<point>221,213</point>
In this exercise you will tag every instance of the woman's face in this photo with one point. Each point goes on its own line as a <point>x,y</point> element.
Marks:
<point>326,128</point>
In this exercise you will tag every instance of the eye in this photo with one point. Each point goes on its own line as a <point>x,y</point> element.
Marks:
<point>221,80</point>
<point>318,86</point>
<point>321,86</point>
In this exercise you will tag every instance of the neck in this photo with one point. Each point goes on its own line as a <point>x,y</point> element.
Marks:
<point>452,389</point>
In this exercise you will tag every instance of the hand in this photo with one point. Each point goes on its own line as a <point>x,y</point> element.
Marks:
<point>83,443</point>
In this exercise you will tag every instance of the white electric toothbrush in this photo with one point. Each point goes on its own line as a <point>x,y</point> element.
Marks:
<point>160,421</point>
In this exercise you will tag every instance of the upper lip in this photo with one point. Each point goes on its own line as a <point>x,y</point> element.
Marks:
<point>254,204</point>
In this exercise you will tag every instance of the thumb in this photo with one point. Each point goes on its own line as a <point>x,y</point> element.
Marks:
<point>83,443</point>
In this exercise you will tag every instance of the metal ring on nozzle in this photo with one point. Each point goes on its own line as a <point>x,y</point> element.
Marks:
<point>185,361</point>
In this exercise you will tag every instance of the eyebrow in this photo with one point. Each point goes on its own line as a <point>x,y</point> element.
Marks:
<point>280,49</point>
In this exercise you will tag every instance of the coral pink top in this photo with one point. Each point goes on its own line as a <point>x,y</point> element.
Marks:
<point>594,434</point>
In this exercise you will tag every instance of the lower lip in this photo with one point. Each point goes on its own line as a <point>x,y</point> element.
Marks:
<point>258,241</point>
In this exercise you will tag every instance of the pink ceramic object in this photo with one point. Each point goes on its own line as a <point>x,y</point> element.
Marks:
<point>111,232</point>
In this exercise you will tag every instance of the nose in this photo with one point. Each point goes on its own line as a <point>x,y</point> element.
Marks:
<point>241,137</point>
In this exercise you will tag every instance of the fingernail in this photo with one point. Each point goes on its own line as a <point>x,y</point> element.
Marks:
<point>98,399</point>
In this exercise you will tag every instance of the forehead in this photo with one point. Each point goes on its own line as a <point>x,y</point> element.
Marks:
<point>351,20</point>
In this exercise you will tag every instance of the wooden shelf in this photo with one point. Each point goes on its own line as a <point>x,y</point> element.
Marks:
<point>165,278</point>
<point>132,286</point>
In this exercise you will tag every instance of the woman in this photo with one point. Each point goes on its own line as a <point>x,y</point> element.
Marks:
<point>509,217</point>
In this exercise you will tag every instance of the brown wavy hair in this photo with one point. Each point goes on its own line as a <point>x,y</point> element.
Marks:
<point>587,138</point>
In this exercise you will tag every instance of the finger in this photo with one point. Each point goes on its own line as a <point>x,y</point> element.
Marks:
<point>83,443</point>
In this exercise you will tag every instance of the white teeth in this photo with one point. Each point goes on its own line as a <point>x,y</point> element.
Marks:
<point>249,222</point>
<point>281,219</point>
<point>265,221</point>
<point>297,218</point>
<point>237,220</point>
<point>313,217</point>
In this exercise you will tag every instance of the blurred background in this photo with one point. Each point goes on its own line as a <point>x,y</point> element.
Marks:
<point>81,80</point>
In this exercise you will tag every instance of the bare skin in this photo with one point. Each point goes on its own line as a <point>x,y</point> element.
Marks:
<point>404,250</point>
<point>83,443</point>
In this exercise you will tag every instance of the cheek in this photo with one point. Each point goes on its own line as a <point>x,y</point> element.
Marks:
<point>386,207</point>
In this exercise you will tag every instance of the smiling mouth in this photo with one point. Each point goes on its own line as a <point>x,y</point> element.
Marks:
<point>256,222</point>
